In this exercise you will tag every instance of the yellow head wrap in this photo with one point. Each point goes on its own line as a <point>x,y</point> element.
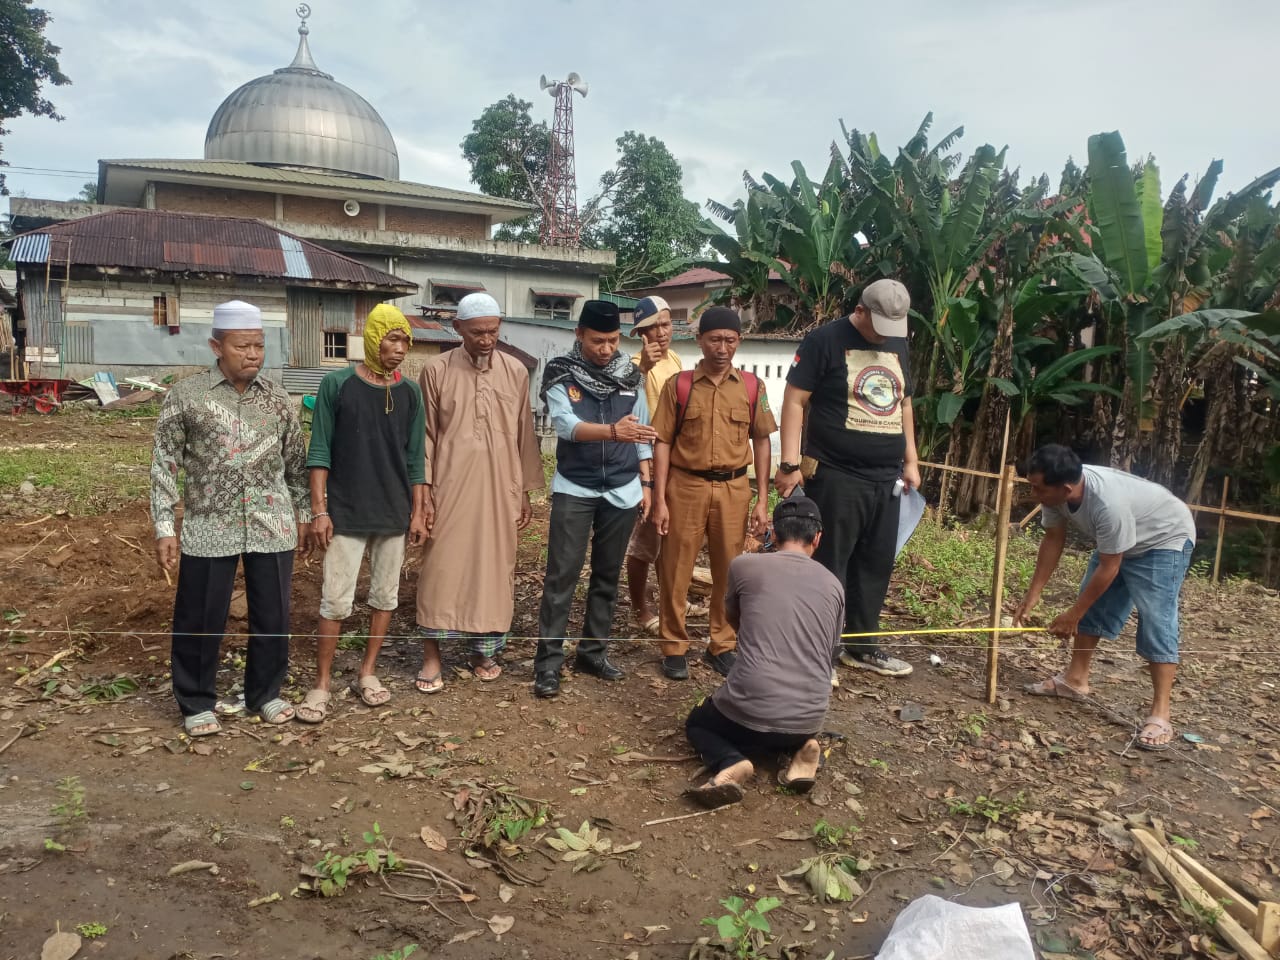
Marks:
<point>382,320</point>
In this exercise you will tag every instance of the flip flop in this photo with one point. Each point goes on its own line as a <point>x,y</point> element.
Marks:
<point>694,611</point>
<point>433,684</point>
<point>1055,686</point>
<point>799,784</point>
<point>486,663</point>
<point>204,719</point>
<point>370,690</point>
<point>1161,727</point>
<point>314,707</point>
<point>652,627</point>
<point>713,795</point>
<point>276,711</point>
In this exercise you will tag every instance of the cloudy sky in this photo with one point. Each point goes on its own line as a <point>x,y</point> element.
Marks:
<point>730,86</point>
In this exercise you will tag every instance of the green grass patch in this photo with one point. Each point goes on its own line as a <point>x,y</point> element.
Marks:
<point>944,573</point>
<point>86,478</point>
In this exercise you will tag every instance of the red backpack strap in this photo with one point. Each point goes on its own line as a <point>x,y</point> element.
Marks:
<point>752,383</point>
<point>684,387</point>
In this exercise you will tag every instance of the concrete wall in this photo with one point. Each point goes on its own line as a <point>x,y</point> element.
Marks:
<point>109,326</point>
<point>511,286</point>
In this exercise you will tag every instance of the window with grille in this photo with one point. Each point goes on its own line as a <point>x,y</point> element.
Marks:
<point>552,308</point>
<point>335,346</point>
<point>164,311</point>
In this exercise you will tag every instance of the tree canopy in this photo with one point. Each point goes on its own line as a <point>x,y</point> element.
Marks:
<point>27,62</point>
<point>508,153</point>
<point>639,211</point>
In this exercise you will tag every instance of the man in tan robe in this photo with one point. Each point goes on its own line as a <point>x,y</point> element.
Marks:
<point>482,459</point>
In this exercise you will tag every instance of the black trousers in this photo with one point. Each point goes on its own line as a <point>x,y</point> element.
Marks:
<point>575,522</point>
<point>200,617</point>
<point>859,532</point>
<point>722,742</point>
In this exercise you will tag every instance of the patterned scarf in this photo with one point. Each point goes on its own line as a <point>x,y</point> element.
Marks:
<point>618,374</point>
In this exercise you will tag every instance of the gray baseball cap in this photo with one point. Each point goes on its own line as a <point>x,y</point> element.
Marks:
<point>888,303</point>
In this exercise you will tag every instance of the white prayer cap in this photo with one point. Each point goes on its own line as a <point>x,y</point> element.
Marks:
<point>478,305</point>
<point>237,315</point>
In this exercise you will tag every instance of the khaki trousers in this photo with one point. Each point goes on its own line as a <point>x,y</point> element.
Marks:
<point>700,508</point>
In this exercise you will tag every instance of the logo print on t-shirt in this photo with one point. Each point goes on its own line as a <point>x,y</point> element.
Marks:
<point>875,391</point>
<point>575,394</point>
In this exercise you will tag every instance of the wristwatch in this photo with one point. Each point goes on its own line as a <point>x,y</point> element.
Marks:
<point>784,467</point>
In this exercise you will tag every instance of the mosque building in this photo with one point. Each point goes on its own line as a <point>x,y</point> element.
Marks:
<point>297,201</point>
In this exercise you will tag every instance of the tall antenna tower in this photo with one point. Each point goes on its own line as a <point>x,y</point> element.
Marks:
<point>560,227</point>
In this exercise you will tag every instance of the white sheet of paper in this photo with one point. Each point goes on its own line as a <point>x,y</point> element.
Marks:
<point>909,515</point>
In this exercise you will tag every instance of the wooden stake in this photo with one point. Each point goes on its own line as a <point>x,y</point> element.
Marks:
<point>1222,531</point>
<point>1004,505</point>
<point>1267,930</point>
<point>1188,889</point>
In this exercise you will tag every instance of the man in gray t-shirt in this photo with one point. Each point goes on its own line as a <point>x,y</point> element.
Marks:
<point>1144,537</point>
<point>788,610</point>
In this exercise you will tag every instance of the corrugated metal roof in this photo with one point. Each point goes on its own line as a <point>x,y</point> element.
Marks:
<point>431,331</point>
<point>193,243</point>
<point>295,258</point>
<point>30,248</point>
<point>250,171</point>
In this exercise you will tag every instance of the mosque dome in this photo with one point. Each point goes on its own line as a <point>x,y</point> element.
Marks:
<point>301,117</point>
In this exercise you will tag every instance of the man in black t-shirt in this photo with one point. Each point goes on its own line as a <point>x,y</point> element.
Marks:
<point>853,377</point>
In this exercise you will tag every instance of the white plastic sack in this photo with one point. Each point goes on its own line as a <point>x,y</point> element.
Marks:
<point>935,929</point>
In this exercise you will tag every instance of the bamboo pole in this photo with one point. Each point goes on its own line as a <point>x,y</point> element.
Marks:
<point>1222,531</point>
<point>1005,504</point>
<point>1022,525</point>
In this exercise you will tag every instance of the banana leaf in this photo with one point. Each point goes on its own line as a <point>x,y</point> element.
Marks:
<point>1114,208</point>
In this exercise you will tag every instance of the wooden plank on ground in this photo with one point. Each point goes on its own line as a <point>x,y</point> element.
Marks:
<point>1267,930</point>
<point>1237,904</point>
<point>1188,889</point>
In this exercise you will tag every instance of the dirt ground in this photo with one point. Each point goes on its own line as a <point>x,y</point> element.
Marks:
<point>1025,800</point>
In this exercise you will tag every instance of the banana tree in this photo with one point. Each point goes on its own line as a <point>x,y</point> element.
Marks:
<point>1144,261</point>
<point>818,254</point>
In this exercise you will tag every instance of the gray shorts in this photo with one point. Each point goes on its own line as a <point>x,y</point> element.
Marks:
<point>342,569</point>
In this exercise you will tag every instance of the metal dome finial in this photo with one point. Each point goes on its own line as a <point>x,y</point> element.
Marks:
<point>302,60</point>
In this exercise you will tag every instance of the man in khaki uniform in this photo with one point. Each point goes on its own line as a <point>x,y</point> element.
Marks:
<point>651,322</point>
<point>711,423</point>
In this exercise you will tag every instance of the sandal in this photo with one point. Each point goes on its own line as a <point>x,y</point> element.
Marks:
<point>487,669</point>
<point>694,611</point>
<point>314,706</point>
<point>370,690</point>
<point>1158,728</point>
<point>432,684</point>
<point>275,711</point>
<point>652,627</point>
<point>205,719</point>
<point>798,784</point>
<point>1055,686</point>
<point>713,795</point>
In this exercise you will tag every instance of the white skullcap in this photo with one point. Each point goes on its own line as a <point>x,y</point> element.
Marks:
<point>478,305</point>
<point>237,315</point>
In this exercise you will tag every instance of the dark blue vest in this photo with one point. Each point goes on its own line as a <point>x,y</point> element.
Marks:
<point>599,465</point>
